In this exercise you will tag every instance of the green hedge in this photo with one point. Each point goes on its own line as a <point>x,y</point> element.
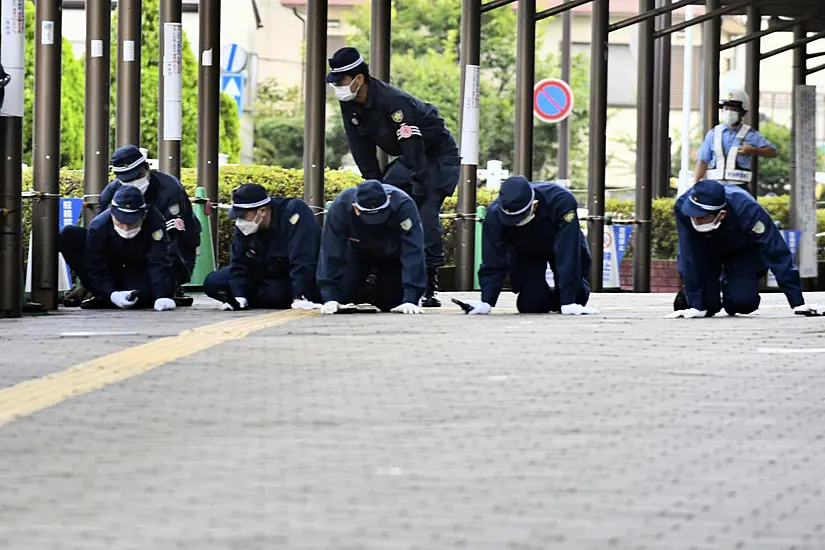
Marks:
<point>289,183</point>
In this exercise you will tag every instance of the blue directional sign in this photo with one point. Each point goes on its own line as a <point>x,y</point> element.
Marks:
<point>232,84</point>
<point>233,58</point>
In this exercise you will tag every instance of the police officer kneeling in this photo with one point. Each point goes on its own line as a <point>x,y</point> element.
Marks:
<point>126,251</point>
<point>527,226</point>
<point>274,254</point>
<point>372,250</point>
<point>725,234</point>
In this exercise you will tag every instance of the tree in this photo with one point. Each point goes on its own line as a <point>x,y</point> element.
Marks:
<point>279,126</point>
<point>774,174</point>
<point>230,129</point>
<point>425,42</point>
<point>71,101</point>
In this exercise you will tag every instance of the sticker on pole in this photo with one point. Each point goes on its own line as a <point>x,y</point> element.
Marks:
<point>552,100</point>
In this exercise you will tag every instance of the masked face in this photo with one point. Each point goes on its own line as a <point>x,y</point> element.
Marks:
<point>706,227</point>
<point>129,233</point>
<point>345,92</point>
<point>141,183</point>
<point>732,117</point>
<point>530,216</point>
<point>250,226</point>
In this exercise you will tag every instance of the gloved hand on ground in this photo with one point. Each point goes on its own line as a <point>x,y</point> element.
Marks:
<point>120,298</point>
<point>330,307</point>
<point>408,309</point>
<point>479,307</point>
<point>809,309</point>
<point>687,314</point>
<point>165,304</point>
<point>303,303</point>
<point>242,304</point>
<point>578,309</point>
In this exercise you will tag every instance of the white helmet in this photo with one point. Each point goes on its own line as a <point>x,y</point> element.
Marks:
<point>737,98</point>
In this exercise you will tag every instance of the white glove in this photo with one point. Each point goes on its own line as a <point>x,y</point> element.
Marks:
<point>578,309</point>
<point>687,314</point>
<point>330,307</point>
<point>242,304</point>
<point>165,304</point>
<point>479,307</point>
<point>121,299</point>
<point>226,307</point>
<point>408,309</point>
<point>303,303</point>
<point>810,308</point>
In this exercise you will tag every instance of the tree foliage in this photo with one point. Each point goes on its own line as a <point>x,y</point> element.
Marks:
<point>279,126</point>
<point>71,102</point>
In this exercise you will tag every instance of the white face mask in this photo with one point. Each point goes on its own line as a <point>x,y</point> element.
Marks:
<point>128,233</point>
<point>707,227</point>
<point>247,227</point>
<point>345,93</point>
<point>731,118</point>
<point>529,217</point>
<point>142,184</point>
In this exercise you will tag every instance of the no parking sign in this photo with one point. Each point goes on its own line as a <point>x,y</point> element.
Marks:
<point>552,100</point>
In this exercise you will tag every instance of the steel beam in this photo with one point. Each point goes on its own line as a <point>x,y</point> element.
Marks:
<point>11,219</point>
<point>314,100</point>
<point>799,55</point>
<point>815,69</point>
<point>564,125</point>
<point>525,80</point>
<point>644,16</point>
<point>380,51</point>
<point>748,38</point>
<point>129,43</point>
<point>170,90</point>
<point>815,55</point>
<point>598,139</point>
<point>470,72</point>
<point>48,46</point>
<point>495,4</point>
<point>96,156</point>
<point>209,74</point>
<point>661,118</point>
<point>644,151</point>
<point>795,45</point>
<point>754,25</point>
<point>711,36</point>
<point>550,12</point>
<point>712,15</point>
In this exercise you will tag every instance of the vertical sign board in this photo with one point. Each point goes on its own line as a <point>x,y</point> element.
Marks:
<point>792,240</point>
<point>470,116</point>
<point>616,239</point>
<point>70,210</point>
<point>803,173</point>
<point>12,35</point>
<point>172,82</point>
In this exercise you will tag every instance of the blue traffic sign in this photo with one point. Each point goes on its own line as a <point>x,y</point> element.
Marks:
<point>552,100</point>
<point>233,58</point>
<point>232,84</point>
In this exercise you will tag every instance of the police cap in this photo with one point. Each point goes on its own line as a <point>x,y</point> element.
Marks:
<point>515,199</point>
<point>128,205</point>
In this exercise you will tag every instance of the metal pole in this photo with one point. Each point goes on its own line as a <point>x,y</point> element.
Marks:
<point>754,25</point>
<point>470,75</point>
<point>209,19</point>
<point>129,42</point>
<point>12,45</point>
<point>711,36</point>
<point>495,4</point>
<point>801,41</point>
<point>564,125</point>
<point>660,10</point>
<point>644,152</point>
<point>380,49</point>
<point>525,80</point>
<point>314,100</point>
<point>661,122</point>
<point>569,5</point>
<point>799,56</point>
<point>598,139</point>
<point>685,175</point>
<point>710,15</point>
<point>170,91</point>
<point>46,151</point>
<point>770,30</point>
<point>96,156</point>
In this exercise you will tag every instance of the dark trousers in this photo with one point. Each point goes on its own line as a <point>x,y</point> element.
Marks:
<point>369,280</point>
<point>263,293</point>
<point>71,242</point>
<point>441,181</point>
<point>527,278</point>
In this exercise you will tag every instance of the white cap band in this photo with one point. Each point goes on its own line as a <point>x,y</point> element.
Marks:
<point>349,67</point>
<point>252,204</point>
<point>364,209</point>
<point>526,207</point>
<point>121,169</point>
<point>706,206</point>
<point>116,205</point>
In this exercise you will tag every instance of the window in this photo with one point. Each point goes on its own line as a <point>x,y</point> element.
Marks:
<point>621,74</point>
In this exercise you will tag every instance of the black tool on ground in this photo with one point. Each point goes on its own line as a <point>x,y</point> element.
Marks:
<point>357,308</point>
<point>463,305</point>
<point>811,313</point>
<point>133,295</point>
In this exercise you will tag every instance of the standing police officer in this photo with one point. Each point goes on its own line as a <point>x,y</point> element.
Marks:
<point>727,152</point>
<point>527,226</point>
<point>725,234</point>
<point>160,190</point>
<point>126,257</point>
<point>428,166</point>
<point>274,254</point>
<point>372,250</point>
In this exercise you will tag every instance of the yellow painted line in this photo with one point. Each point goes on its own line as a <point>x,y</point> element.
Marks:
<point>35,395</point>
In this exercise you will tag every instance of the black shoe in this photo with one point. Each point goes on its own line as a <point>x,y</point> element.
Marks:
<point>429,299</point>
<point>181,299</point>
<point>96,302</point>
<point>680,303</point>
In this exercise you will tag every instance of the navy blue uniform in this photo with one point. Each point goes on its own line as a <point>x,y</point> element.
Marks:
<point>740,251</point>
<point>169,197</point>
<point>275,265</point>
<point>428,165</point>
<point>352,251</point>
<point>142,263</point>
<point>553,236</point>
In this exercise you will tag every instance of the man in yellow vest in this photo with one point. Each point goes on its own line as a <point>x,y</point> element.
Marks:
<point>728,150</point>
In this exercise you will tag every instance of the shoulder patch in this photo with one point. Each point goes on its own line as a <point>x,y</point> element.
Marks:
<point>406,224</point>
<point>174,209</point>
<point>759,228</point>
<point>157,235</point>
<point>294,219</point>
<point>398,116</point>
<point>569,216</point>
